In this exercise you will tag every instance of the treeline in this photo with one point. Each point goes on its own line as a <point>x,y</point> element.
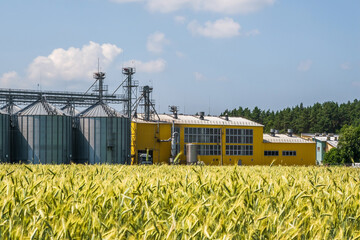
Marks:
<point>327,117</point>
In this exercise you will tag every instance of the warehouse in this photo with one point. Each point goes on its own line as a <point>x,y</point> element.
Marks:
<point>220,141</point>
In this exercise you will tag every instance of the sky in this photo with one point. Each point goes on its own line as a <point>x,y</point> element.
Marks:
<point>200,55</point>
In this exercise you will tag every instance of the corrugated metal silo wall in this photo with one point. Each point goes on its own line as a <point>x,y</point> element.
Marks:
<point>4,138</point>
<point>102,140</point>
<point>43,139</point>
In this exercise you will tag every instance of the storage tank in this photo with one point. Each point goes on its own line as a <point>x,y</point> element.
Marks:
<point>191,153</point>
<point>42,135</point>
<point>11,108</point>
<point>102,136</point>
<point>4,137</point>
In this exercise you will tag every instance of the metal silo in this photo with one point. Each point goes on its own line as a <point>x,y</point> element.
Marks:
<point>42,135</point>
<point>11,108</point>
<point>4,137</point>
<point>102,136</point>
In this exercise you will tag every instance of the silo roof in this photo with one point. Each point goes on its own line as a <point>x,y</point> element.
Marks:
<point>14,108</point>
<point>100,110</point>
<point>40,107</point>
<point>3,112</point>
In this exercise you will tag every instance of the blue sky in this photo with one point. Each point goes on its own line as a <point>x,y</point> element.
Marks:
<point>200,55</point>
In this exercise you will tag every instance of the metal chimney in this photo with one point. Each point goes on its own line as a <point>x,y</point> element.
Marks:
<point>226,117</point>
<point>202,114</point>
<point>290,132</point>
<point>272,132</point>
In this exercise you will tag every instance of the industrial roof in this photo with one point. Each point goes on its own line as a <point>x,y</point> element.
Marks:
<point>195,120</point>
<point>40,107</point>
<point>100,110</point>
<point>283,138</point>
<point>333,143</point>
<point>13,108</point>
<point>332,139</point>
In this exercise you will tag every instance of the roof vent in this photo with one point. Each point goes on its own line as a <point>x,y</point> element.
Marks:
<point>272,132</point>
<point>202,114</point>
<point>317,134</point>
<point>174,110</point>
<point>226,117</point>
<point>290,132</point>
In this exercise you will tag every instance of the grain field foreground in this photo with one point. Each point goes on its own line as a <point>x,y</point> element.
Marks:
<point>178,202</point>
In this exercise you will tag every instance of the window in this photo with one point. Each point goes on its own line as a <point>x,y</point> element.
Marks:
<point>289,153</point>
<point>271,153</point>
<point>244,136</point>
<point>202,135</point>
<point>207,150</point>
<point>239,150</point>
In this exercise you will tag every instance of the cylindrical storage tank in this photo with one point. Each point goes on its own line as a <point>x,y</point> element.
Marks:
<point>11,108</point>
<point>4,137</point>
<point>102,136</point>
<point>191,153</point>
<point>42,135</point>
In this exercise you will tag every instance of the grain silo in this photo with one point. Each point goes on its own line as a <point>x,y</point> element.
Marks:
<point>11,108</point>
<point>102,136</point>
<point>4,137</point>
<point>42,135</point>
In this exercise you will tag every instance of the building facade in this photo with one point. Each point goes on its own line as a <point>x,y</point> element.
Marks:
<point>324,143</point>
<point>219,140</point>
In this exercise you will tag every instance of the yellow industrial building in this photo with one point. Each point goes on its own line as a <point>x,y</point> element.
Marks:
<point>220,141</point>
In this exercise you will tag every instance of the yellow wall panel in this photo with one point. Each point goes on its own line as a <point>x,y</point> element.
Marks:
<point>153,136</point>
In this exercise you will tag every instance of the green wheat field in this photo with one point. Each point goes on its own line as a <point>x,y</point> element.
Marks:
<point>178,202</point>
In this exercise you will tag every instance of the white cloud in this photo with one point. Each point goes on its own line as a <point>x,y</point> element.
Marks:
<point>305,66</point>
<point>156,42</point>
<point>179,54</point>
<point>180,19</point>
<point>199,76</point>
<point>10,80</point>
<point>73,63</point>
<point>219,6</point>
<point>154,66</point>
<point>221,28</point>
<point>345,66</point>
<point>251,33</point>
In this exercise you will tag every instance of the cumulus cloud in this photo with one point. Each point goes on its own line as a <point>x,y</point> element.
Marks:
<point>305,66</point>
<point>199,76</point>
<point>180,19</point>
<point>179,54</point>
<point>154,66</point>
<point>10,80</point>
<point>345,66</point>
<point>252,33</point>
<point>72,63</point>
<point>219,6</point>
<point>222,28</point>
<point>156,42</point>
